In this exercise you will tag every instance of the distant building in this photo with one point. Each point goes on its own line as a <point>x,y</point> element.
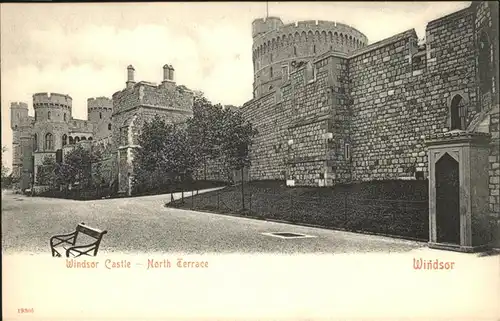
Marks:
<point>112,126</point>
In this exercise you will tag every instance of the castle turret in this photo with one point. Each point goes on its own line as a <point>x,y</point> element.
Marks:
<point>99,113</point>
<point>18,114</point>
<point>52,107</point>
<point>19,121</point>
<point>130,76</point>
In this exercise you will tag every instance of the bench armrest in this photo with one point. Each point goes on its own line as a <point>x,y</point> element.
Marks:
<point>88,247</point>
<point>65,238</point>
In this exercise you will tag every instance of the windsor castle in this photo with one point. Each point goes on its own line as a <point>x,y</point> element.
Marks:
<point>329,106</point>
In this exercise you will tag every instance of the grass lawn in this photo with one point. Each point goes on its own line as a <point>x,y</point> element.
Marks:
<point>396,208</point>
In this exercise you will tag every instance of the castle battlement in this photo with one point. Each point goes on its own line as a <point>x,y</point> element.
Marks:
<point>51,99</point>
<point>268,31</point>
<point>19,104</point>
<point>276,45</point>
<point>99,103</point>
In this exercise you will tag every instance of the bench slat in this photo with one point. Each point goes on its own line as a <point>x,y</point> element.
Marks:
<point>93,232</point>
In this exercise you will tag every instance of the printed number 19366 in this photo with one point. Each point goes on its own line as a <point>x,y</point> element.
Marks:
<point>24,310</point>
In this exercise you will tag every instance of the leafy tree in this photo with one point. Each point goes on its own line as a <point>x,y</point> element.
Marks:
<point>6,179</point>
<point>5,170</point>
<point>236,138</point>
<point>166,155</point>
<point>204,131</point>
<point>77,167</point>
<point>47,173</point>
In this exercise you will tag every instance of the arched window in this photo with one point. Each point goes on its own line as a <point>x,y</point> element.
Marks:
<point>458,113</point>
<point>64,116</point>
<point>109,126</point>
<point>71,140</point>
<point>35,141</point>
<point>90,138</point>
<point>83,138</point>
<point>64,138</point>
<point>100,115</point>
<point>484,63</point>
<point>35,115</point>
<point>48,115</point>
<point>314,48</point>
<point>77,139</point>
<point>295,51</point>
<point>49,142</point>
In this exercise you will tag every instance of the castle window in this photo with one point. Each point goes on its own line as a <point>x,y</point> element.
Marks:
<point>35,115</point>
<point>271,72</point>
<point>347,152</point>
<point>35,140</point>
<point>49,141</point>
<point>295,51</point>
<point>109,126</point>
<point>90,138</point>
<point>484,62</point>
<point>77,139</point>
<point>64,139</point>
<point>71,140</point>
<point>64,116</point>
<point>314,48</point>
<point>48,115</point>
<point>458,113</point>
<point>83,138</point>
<point>100,115</point>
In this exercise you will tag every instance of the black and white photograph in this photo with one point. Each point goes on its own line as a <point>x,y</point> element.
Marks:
<point>250,160</point>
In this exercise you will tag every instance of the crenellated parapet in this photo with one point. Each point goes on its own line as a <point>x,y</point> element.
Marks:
<point>276,45</point>
<point>52,100</point>
<point>52,107</point>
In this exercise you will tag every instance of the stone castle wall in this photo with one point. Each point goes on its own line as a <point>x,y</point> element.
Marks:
<point>395,105</point>
<point>365,115</point>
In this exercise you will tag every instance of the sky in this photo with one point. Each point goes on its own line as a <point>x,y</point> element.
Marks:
<point>83,49</point>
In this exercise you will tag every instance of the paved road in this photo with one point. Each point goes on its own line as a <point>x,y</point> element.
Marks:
<point>344,284</point>
<point>143,224</point>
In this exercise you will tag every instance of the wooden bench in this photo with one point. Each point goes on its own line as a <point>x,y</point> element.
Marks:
<point>68,244</point>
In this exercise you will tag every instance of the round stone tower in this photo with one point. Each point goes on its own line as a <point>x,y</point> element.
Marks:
<point>276,45</point>
<point>99,113</point>
<point>52,115</point>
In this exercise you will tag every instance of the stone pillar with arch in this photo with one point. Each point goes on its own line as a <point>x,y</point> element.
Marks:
<point>458,191</point>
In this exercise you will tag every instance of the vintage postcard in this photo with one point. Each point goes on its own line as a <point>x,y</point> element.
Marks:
<point>250,161</point>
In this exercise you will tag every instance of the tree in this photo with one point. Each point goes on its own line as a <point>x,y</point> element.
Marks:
<point>166,155</point>
<point>6,178</point>
<point>204,131</point>
<point>236,138</point>
<point>5,170</point>
<point>47,173</point>
<point>77,168</point>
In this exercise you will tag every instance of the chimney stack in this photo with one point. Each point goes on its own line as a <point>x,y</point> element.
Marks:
<point>168,76</point>
<point>171,75</point>
<point>130,76</point>
<point>166,72</point>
